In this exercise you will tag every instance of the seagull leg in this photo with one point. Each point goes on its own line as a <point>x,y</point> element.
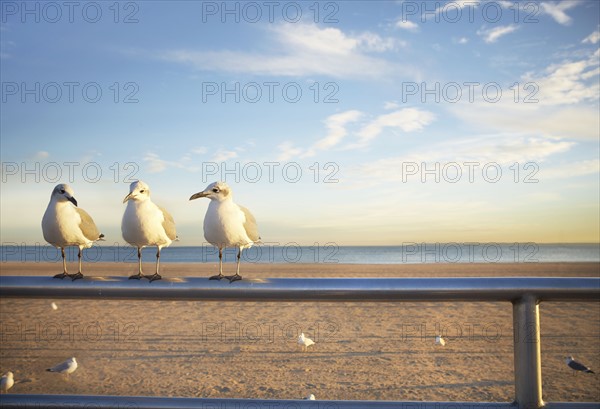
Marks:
<point>64,273</point>
<point>220,276</point>
<point>139,275</point>
<point>78,275</point>
<point>237,275</point>
<point>156,276</point>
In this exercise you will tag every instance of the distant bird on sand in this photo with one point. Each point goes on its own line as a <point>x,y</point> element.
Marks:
<point>577,366</point>
<point>64,224</point>
<point>440,341</point>
<point>6,382</point>
<point>227,224</point>
<point>305,342</point>
<point>67,367</point>
<point>310,397</point>
<point>146,224</point>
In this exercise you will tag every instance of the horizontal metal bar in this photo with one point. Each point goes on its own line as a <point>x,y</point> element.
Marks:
<point>9,401</point>
<point>307,289</point>
<point>139,402</point>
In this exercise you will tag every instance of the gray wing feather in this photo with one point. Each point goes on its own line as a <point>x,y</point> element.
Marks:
<point>88,227</point>
<point>578,366</point>
<point>168,224</point>
<point>250,225</point>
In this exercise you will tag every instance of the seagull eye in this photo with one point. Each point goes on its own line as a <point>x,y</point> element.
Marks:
<point>142,191</point>
<point>216,190</point>
<point>62,191</point>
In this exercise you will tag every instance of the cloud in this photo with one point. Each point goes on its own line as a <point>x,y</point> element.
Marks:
<point>592,38</point>
<point>301,49</point>
<point>39,155</point>
<point>491,35</point>
<point>154,163</point>
<point>461,40</point>
<point>224,155</point>
<point>579,168</point>
<point>502,149</point>
<point>407,25</point>
<point>406,120</point>
<point>556,10</point>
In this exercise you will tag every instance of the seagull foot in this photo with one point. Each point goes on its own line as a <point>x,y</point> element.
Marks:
<point>233,278</point>
<point>61,275</point>
<point>153,277</point>
<point>217,277</point>
<point>75,276</point>
<point>137,276</point>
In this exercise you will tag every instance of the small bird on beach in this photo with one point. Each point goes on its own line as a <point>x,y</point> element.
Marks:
<point>305,342</point>
<point>6,382</point>
<point>146,224</point>
<point>440,341</point>
<point>310,397</point>
<point>64,224</point>
<point>67,367</point>
<point>577,366</point>
<point>227,224</point>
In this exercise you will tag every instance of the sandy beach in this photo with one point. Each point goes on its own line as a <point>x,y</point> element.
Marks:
<point>248,349</point>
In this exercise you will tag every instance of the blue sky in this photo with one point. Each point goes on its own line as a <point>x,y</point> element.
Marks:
<point>349,122</point>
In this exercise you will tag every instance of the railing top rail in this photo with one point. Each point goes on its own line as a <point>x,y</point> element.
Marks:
<point>308,289</point>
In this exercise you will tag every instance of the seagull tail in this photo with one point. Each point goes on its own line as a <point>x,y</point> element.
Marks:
<point>590,371</point>
<point>49,370</point>
<point>101,237</point>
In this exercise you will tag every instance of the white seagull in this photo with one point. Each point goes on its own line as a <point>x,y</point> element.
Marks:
<point>6,382</point>
<point>64,224</point>
<point>146,224</point>
<point>227,224</point>
<point>66,367</point>
<point>577,366</point>
<point>440,341</point>
<point>310,397</point>
<point>305,342</point>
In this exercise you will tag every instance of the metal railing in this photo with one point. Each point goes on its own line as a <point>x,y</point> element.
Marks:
<point>525,294</point>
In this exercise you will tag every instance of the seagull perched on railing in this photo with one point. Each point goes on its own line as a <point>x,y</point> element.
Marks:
<point>64,224</point>
<point>227,224</point>
<point>577,366</point>
<point>146,224</point>
<point>439,340</point>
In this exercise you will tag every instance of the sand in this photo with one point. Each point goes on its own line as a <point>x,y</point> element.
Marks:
<point>248,349</point>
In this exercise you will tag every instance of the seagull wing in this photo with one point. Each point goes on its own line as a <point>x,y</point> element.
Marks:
<point>87,226</point>
<point>250,225</point>
<point>578,366</point>
<point>63,366</point>
<point>168,224</point>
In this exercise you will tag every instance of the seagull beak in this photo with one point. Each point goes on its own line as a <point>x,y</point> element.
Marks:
<point>72,200</point>
<point>127,198</point>
<point>198,195</point>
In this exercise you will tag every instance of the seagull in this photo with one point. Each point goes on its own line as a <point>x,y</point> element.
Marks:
<point>66,367</point>
<point>6,382</point>
<point>146,224</point>
<point>577,366</point>
<point>64,224</point>
<point>440,341</point>
<point>310,397</point>
<point>227,224</point>
<point>54,306</point>
<point>305,342</point>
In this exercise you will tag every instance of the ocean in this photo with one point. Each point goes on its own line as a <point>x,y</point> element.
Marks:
<point>408,253</point>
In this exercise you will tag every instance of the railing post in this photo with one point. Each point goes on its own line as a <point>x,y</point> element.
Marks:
<point>527,353</point>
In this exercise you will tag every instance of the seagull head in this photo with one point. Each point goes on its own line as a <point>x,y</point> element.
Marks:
<point>9,374</point>
<point>138,191</point>
<point>218,191</point>
<point>63,193</point>
<point>569,359</point>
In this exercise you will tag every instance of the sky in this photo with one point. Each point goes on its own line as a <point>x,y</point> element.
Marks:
<point>347,122</point>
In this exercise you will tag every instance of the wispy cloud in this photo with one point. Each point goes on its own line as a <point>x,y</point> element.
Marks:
<point>223,155</point>
<point>572,169</point>
<point>556,10</point>
<point>301,49</point>
<point>592,38</point>
<point>491,35</point>
<point>407,25</point>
